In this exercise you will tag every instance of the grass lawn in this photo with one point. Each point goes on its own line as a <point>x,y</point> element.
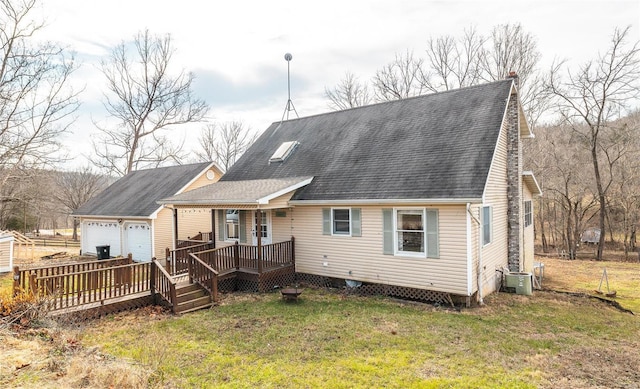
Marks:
<point>329,340</point>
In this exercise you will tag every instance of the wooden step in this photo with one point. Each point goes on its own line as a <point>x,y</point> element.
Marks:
<point>182,296</point>
<point>186,288</point>
<point>194,304</point>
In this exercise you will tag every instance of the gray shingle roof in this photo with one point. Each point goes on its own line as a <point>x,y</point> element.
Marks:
<point>437,146</point>
<point>137,193</point>
<point>237,192</point>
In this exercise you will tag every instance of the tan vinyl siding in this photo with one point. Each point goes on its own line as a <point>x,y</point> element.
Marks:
<point>203,180</point>
<point>494,254</point>
<point>281,227</point>
<point>191,221</point>
<point>163,233</point>
<point>280,201</point>
<point>527,232</point>
<point>6,262</point>
<point>361,258</point>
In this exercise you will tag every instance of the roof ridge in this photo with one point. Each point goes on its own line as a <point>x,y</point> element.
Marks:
<point>509,80</point>
<point>171,166</point>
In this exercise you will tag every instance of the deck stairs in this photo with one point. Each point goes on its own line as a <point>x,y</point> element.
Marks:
<point>191,297</point>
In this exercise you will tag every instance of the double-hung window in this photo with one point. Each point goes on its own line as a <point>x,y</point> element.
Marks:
<point>232,225</point>
<point>411,232</point>
<point>528,216</point>
<point>341,221</point>
<point>486,225</point>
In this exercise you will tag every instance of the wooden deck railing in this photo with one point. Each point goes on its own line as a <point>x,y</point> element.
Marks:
<point>201,236</point>
<point>204,275</point>
<point>163,284</point>
<point>177,260</point>
<point>89,286</point>
<point>239,256</point>
<point>21,277</point>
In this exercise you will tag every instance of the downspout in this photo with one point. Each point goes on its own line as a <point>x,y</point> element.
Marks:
<point>480,299</point>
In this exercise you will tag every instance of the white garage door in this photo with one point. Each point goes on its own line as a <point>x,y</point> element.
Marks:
<point>138,241</point>
<point>101,233</point>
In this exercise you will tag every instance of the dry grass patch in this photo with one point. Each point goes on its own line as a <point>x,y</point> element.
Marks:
<point>328,339</point>
<point>584,276</point>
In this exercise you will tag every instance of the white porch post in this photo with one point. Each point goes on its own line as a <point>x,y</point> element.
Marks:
<point>259,238</point>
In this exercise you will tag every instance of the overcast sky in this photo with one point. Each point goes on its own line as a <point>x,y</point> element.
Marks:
<point>236,49</point>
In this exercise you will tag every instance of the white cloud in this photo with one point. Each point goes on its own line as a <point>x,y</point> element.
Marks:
<point>236,48</point>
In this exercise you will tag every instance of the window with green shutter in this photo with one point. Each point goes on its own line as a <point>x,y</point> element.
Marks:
<point>342,221</point>
<point>411,232</point>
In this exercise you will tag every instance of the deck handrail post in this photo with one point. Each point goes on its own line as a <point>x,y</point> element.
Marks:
<point>152,278</point>
<point>293,251</point>
<point>129,259</point>
<point>32,283</point>
<point>174,299</point>
<point>236,255</point>
<point>214,288</point>
<point>16,281</point>
<point>167,263</point>
<point>190,266</point>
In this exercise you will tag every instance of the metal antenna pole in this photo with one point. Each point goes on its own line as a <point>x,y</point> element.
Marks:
<point>289,107</point>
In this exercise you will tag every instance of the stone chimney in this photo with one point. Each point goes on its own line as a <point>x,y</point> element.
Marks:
<point>514,179</point>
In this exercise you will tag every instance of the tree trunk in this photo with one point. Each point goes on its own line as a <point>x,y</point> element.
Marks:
<point>601,197</point>
<point>75,229</point>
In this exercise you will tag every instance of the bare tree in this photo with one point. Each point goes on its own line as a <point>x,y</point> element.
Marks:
<point>591,99</point>
<point>399,79</point>
<point>349,93</point>
<point>36,102</point>
<point>74,188</point>
<point>453,62</point>
<point>146,101</point>
<point>224,143</point>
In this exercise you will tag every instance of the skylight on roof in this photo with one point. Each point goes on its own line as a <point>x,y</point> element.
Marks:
<point>283,151</point>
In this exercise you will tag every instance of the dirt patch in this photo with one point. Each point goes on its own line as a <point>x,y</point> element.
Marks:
<point>590,367</point>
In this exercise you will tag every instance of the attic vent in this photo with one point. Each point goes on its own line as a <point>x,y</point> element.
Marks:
<point>283,151</point>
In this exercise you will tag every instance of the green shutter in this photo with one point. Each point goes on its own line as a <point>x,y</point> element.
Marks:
<point>387,231</point>
<point>326,221</point>
<point>432,233</point>
<point>356,222</point>
<point>242,225</point>
<point>222,216</point>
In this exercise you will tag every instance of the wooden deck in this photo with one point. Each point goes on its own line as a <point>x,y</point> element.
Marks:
<point>95,288</point>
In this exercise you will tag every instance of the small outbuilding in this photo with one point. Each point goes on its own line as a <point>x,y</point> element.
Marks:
<point>6,252</point>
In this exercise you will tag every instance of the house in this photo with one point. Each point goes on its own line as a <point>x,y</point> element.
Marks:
<point>423,197</point>
<point>126,216</point>
<point>6,252</point>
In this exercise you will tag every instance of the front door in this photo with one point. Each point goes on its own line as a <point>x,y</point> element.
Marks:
<point>264,230</point>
